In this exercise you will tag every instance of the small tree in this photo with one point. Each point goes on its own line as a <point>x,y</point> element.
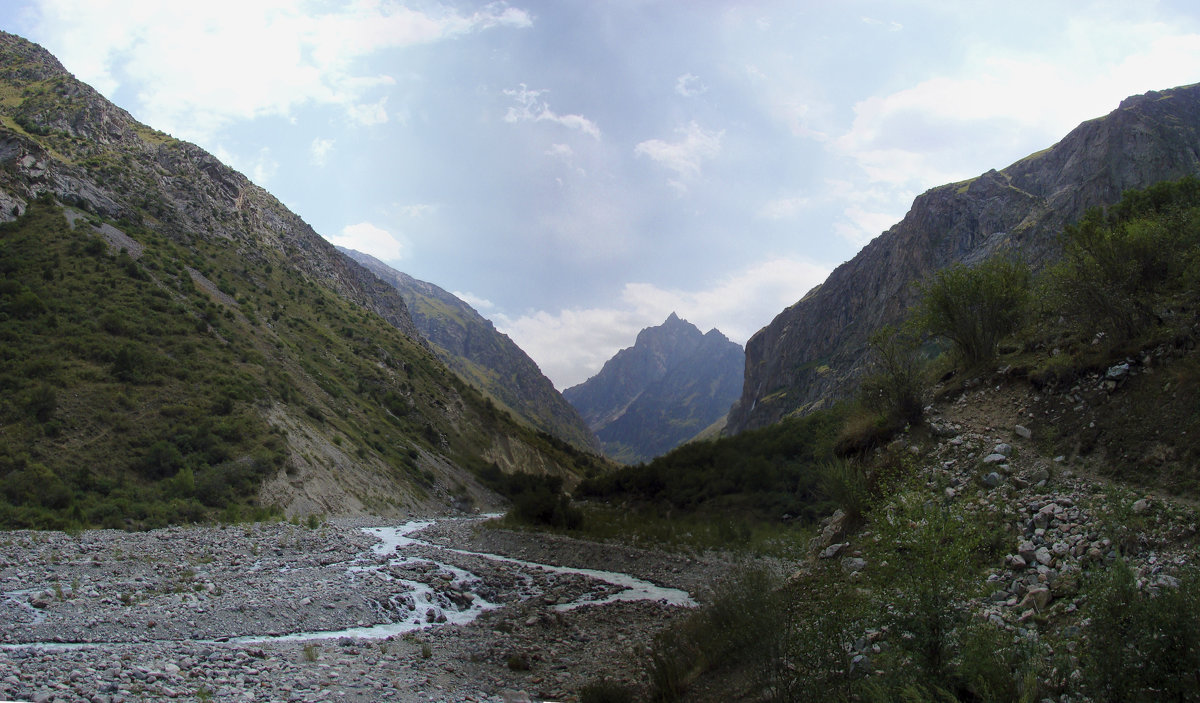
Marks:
<point>974,308</point>
<point>895,387</point>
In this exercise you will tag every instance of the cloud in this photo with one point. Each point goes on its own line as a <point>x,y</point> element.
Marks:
<point>369,114</point>
<point>531,107</point>
<point>572,344</point>
<point>259,168</point>
<point>320,149</point>
<point>198,67</point>
<point>889,25</point>
<point>684,156</point>
<point>1001,105</point>
<point>689,86</point>
<point>474,300</point>
<point>784,208</point>
<point>370,239</point>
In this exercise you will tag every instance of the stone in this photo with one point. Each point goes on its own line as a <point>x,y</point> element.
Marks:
<point>994,458</point>
<point>993,479</point>
<point>853,565</point>
<point>833,550</point>
<point>1023,432</point>
<point>1027,551</point>
<point>1036,598</point>
<point>1003,448</point>
<point>1044,556</point>
<point>1141,505</point>
<point>1117,372</point>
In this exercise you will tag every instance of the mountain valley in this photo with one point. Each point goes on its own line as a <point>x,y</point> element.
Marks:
<point>238,464</point>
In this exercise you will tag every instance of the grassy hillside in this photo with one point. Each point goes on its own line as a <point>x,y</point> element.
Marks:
<point>137,381</point>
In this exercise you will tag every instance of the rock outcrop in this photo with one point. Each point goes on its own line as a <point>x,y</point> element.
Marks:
<point>813,351</point>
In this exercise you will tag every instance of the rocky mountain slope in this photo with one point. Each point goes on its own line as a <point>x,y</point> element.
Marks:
<point>812,351</point>
<point>669,386</point>
<point>176,322</point>
<point>469,344</point>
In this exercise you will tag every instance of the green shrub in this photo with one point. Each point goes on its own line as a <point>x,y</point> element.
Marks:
<point>1142,646</point>
<point>743,625</point>
<point>41,402</point>
<point>1117,266</point>
<point>974,308</point>
<point>924,563</point>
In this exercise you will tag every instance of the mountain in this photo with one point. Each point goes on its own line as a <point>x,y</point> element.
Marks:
<point>469,344</point>
<point>814,350</point>
<point>177,344</point>
<point>672,384</point>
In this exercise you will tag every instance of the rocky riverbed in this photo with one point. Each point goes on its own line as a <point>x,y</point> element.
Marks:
<point>282,612</point>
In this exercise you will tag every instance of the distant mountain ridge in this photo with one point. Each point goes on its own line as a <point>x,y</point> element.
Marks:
<point>471,345</point>
<point>672,384</point>
<point>813,351</point>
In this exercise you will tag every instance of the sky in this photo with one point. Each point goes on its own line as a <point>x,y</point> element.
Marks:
<point>579,169</point>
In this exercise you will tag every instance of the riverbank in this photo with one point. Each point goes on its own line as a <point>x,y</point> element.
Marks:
<point>284,612</point>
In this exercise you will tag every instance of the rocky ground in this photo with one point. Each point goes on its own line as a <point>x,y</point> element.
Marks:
<point>210,614</point>
<point>1059,516</point>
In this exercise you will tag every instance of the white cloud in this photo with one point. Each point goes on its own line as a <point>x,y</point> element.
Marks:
<point>418,210</point>
<point>371,239</point>
<point>891,26</point>
<point>1000,105</point>
<point>571,345</point>
<point>197,67</point>
<point>474,300</point>
<point>860,226</point>
<point>784,208</point>
<point>369,114</point>
<point>689,86</point>
<point>531,107</point>
<point>259,168</point>
<point>684,156</point>
<point>320,149</point>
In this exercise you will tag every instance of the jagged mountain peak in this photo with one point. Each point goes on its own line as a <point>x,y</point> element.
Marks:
<point>670,385</point>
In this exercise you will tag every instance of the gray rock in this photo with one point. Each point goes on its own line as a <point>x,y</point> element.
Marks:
<point>853,565</point>
<point>1003,448</point>
<point>1036,598</point>
<point>1022,432</point>
<point>833,550</point>
<point>995,458</point>
<point>1117,372</point>
<point>1141,505</point>
<point>993,479</point>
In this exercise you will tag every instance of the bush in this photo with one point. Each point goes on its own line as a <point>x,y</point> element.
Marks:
<point>895,388</point>
<point>974,308</point>
<point>1143,646</point>
<point>41,402</point>
<point>1116,266</point>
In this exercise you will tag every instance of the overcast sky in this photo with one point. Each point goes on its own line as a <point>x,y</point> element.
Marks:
<point>579,169</point>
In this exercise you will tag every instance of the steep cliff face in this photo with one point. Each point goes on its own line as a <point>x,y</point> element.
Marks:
<point>812,351</point>
<point>665,389</point>
<point>470,345</point>
<point>259,318</point>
